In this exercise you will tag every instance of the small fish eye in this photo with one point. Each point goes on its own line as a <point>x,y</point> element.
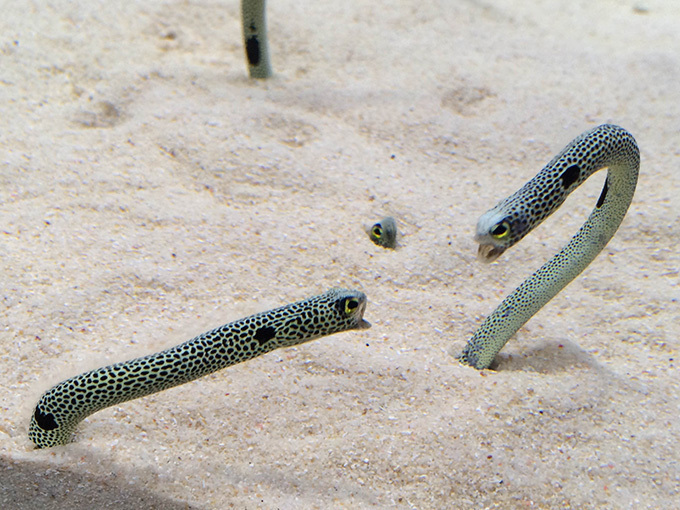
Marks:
<point>351,304</point>
<point>501,230</point>
<point>377,231</point>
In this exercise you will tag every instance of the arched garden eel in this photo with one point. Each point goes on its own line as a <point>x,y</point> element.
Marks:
<point>498,229</point>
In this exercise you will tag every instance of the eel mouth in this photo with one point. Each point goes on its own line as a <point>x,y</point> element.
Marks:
<point>487,253</point>
<point>363,323</point>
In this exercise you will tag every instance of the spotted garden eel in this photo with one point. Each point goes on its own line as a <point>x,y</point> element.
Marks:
<point>255,38</point>
<point>513,218</point>
<point>384,233</point>
<point>62,407</point>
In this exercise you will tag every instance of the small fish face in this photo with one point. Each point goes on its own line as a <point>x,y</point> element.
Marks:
<point>499,229</point>
<point>384,233</point>
<point>494,235</point>
<point>349,305</point>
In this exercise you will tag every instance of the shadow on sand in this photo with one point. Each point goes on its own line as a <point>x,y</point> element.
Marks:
<point>34,485</point>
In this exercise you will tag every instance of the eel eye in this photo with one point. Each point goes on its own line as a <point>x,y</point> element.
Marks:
<point>501,230</point>
<point>376,231</point>
<point>351,304</point>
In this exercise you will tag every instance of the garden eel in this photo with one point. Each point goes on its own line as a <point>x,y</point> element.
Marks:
<point>62,407</point>
<point>384,233</point>
<point>501,227</point>
<point>255,38</point>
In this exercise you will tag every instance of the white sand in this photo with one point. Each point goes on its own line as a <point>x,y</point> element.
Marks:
<point>150,191</point>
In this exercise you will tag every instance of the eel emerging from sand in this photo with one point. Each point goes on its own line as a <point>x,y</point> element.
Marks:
<point>65,405</point>
<point>498,229</point>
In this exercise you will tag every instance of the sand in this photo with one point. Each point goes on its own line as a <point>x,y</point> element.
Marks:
<point>150,191</point>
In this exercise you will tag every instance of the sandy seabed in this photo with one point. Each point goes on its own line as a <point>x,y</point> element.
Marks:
<point>150,191</point>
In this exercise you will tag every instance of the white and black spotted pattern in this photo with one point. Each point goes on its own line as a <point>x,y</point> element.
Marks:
<point>62,407</point>
<point>606,146</point>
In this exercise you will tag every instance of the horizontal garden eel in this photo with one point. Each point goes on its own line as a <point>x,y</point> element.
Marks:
<point>498,229</point>
<point>65,405</point>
